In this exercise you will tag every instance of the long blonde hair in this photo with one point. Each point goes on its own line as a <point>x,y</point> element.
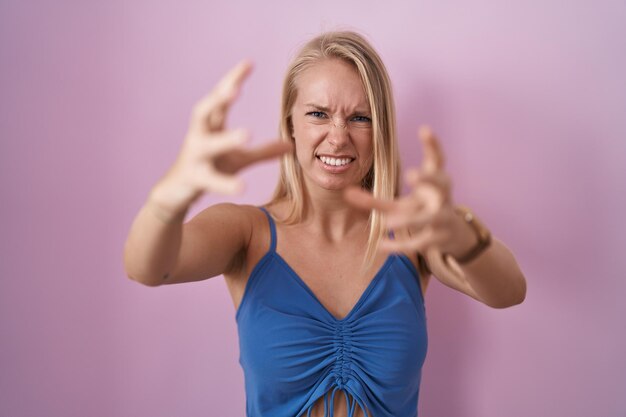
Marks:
<point>383,178</point>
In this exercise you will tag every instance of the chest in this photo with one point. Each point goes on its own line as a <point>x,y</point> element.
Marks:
<point>288,342</point>
<point>335,274</point>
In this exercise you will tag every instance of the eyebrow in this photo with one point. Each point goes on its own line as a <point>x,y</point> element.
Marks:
<point>327,109</point>
<point>318,107</point>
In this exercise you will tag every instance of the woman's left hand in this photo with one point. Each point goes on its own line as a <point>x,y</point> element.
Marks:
<point>427,211</point>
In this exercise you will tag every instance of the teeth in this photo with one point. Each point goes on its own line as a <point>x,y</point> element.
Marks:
<point>335,161</point>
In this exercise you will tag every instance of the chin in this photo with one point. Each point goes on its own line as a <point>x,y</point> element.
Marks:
<point>335,184</point>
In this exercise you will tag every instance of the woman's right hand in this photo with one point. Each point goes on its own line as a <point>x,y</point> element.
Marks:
<point>211,155</point>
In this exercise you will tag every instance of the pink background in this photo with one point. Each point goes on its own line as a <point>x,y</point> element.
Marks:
<point>529,99</point>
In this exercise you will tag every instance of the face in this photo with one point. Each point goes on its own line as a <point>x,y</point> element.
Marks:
<point>332,126</point>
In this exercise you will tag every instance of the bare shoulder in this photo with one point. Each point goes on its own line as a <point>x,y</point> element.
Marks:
<point>213,242</point>
<point>224,212</point>
<point>238,221</point>
<point>247,221</point>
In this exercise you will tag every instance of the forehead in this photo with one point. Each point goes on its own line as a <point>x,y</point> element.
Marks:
<point>332,83</point>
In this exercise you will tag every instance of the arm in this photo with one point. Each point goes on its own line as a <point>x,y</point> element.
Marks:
<point>493,278</point>
<point>152,245</point>
<point>160,249</point>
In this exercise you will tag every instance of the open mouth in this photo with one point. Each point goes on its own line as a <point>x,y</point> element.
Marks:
<point>335,162</point>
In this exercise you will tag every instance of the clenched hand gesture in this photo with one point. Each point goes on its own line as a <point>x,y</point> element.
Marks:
<point>427,212</point>
<point>211,154</point>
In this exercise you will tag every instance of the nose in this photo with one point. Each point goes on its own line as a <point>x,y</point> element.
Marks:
<point>338,134</point>
<point>340,124</point>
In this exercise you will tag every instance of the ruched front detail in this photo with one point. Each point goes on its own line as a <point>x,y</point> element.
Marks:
<point>342,372</point>
<point>342,342</point>
<point>294,352</point>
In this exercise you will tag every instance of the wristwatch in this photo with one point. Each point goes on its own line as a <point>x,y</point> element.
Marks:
<point>482,233</point>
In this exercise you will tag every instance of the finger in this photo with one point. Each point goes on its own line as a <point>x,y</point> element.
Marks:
<point>226,92</point>
<point>433,159</point>
<point>426,238</point>
<point>404,207</point>
<point>364,200</point>
<point>241,158</point>
<point>418,220</point>
<point>233,79</point>
<point>400,218</point>
<point>226,89</point>
<point>210,111</point>
<point>222,142</point>
<point>439,179</point>
<point>269,151</point>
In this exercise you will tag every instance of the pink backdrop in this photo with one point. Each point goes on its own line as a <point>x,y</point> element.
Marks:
<point>529,100</point>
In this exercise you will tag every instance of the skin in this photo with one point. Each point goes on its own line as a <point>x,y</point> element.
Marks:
<point>427,212</point>
<point>329,118</point>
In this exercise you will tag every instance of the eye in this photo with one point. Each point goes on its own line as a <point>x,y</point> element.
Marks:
<point>362,119</point>
<point>316,114</point>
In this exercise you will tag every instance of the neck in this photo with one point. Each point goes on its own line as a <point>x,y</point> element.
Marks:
<point>328,214</point>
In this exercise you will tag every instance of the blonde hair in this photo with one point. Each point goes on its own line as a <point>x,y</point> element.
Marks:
<point>382,180</point>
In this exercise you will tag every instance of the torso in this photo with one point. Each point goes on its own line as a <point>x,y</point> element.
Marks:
<point>328,270</point>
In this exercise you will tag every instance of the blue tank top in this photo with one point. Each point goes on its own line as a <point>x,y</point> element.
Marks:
<point>294,351</point>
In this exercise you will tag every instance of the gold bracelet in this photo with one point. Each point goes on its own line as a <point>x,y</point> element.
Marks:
<point>482,233</point>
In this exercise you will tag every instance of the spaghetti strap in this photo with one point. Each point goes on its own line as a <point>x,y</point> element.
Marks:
<point>272,229</point>
<point>291,343</point>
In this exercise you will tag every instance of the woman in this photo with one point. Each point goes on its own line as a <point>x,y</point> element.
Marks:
<point>328,278</point>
